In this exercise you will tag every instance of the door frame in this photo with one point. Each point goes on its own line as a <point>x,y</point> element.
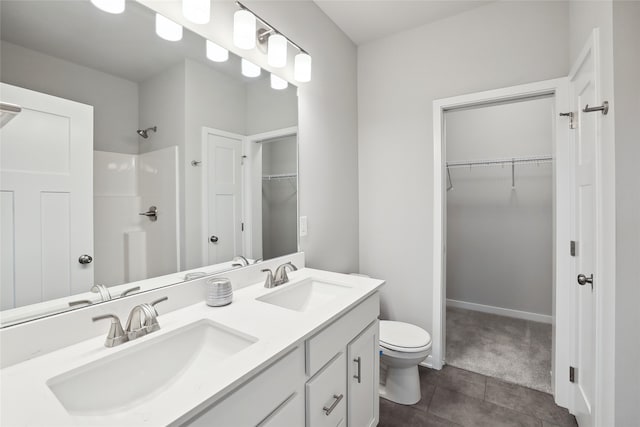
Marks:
<point>204,194</point>
<point>562,171</point>
<point>249,178</point>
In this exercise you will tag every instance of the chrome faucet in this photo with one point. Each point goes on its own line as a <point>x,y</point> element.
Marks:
<point>143,320</point>
<point>243,262</point>
<point>280,277</point>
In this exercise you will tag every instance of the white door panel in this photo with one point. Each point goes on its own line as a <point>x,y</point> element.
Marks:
<point>584,91</point>
<point>223,197</point>
<point>47,214</point>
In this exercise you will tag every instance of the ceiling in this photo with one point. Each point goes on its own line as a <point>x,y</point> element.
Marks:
<point>367,20</point>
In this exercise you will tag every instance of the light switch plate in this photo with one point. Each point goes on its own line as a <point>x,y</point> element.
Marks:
<point>303,226</point>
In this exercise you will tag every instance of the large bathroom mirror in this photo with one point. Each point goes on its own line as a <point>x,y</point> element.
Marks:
<point>135,162</point>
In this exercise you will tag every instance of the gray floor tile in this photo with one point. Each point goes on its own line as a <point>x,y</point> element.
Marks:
<point>395,415</point>
<point>528,401</point>
<point>470,412</point>
<point>462,381</point>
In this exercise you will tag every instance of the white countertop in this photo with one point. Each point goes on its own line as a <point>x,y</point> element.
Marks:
<point>26,400</point>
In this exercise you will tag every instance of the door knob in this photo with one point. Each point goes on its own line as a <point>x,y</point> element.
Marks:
<point>213,239</point>
<point>152,213</point>
<point>85,259</point>
<point>583,280</point>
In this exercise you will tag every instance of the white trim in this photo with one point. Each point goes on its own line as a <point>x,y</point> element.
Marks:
<point>562,219</point>
<point>500,311</point>
<point>264,136</point>
<point>428,362</point>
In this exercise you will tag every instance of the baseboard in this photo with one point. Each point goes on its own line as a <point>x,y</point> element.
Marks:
<point>535,317</point>
<point>428,362</point>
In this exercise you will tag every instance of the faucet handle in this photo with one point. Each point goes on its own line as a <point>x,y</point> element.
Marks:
<point>268,281</point>
<point>116,335</point>
<point>130,290</point>
<point>151,322</point>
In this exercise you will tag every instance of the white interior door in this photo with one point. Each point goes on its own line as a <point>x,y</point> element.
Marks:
<point>46,163</point>
<point>584,88</point>
<point>224,197</point>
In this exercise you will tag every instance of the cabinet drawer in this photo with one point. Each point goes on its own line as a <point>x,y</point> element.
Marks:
<point>290,413</point>
<point>327,395</point>
<point>255,401</point>
<point>323,346</point>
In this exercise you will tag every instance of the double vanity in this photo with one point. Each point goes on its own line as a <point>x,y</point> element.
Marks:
<point>302,353</point>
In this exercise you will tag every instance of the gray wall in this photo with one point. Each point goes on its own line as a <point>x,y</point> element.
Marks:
<point>115,100</point>
<point>499,239</point>
<point>626,34</point>
<point>496,45</point>
<point>269,109</point>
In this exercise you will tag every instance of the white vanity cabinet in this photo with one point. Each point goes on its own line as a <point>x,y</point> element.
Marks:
<point>329,380</point>
<point>343,362</point>
<point>274,397</point>
<point>363,377</point>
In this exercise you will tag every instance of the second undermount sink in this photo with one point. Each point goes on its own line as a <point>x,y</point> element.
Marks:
<point>305,295</point>
<point>129,377</point>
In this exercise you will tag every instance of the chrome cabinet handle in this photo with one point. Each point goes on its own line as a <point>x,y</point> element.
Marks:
<point>213,239</point>
<point>85,259</point>
<point>330,409</point>
<point>358,376</point>
<point>152,213</point>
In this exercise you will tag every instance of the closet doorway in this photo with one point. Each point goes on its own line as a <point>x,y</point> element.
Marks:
<point>500,165</point>
<point>499,240</point>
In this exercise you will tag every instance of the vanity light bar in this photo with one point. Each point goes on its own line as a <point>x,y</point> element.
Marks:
<point>305,58</point>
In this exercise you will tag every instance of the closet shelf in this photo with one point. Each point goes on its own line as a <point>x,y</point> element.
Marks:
<point>279,176</point>
<point>501,162</point>
<point>533,160</point>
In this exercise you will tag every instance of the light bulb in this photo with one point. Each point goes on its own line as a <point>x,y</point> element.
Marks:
<point>302,67</point>
<point>277,51</point>
<point>167,29</point>
<point>216,53</point>
<point>244,29</point>
<point>249,69</point>
<point>197,11</point>
<point>277,83</point>
<point>111,6</point>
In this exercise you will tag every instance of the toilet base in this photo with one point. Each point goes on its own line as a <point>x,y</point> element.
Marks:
<point>402,385</point>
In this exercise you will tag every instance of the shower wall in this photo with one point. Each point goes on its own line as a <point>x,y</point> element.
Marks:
<point>499,239</point>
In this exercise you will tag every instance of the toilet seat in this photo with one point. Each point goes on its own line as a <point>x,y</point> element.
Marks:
<point>403,337</point>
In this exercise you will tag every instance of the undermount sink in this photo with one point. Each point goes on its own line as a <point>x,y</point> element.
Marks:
<point>305,295</point>
<point>120,381</point>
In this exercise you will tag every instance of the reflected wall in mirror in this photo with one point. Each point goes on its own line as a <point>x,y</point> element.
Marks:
<point>133,157</point>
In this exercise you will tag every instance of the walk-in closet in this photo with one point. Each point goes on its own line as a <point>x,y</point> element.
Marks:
<point>499,228</point>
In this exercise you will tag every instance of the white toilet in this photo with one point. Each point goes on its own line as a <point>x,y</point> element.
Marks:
<point>402,347</point>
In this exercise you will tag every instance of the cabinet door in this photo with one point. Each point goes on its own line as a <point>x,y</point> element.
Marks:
<point>326,395</point>
<point>363,363</point>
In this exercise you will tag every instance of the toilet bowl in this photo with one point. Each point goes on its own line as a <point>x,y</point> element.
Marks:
<point>402,347</point>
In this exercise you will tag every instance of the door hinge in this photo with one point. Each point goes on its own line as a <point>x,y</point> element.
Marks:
<point>573,248</point>
<point>572,122</point>
<point>572,374</point>
<point>242,226</point>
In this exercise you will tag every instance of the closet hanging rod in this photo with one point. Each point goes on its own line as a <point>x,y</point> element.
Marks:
<point>279,176</point>
<point>502,162</point>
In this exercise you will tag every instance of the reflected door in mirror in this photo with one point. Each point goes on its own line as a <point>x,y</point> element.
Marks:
<point>46,207</point>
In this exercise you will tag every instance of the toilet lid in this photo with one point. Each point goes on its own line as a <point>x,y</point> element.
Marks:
<point>403,336</point>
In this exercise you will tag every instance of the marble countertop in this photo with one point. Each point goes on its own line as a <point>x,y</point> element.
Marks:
<point>27,400</point>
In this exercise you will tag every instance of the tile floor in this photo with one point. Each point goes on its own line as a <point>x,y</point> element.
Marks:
<point>455,397</point>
